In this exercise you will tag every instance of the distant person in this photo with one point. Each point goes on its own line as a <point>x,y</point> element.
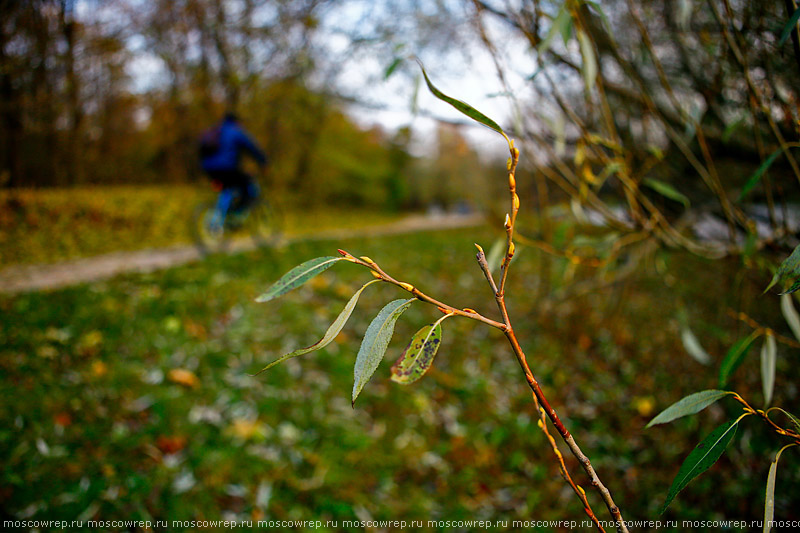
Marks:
<point>220,153</point>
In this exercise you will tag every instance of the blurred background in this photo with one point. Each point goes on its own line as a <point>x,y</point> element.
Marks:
<point>659,185</point>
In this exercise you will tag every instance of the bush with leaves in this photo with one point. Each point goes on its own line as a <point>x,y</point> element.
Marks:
<point>420,352</point>
<point>787,428</point>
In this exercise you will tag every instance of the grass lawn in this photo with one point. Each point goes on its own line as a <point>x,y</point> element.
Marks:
<point>132,398</point>
<point>50,225</point>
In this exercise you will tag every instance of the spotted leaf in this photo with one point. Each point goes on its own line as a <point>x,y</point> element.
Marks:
<point>418,356</point>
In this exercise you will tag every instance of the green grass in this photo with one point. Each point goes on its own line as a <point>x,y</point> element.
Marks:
<point>96,423</point>
<point>50,225</point>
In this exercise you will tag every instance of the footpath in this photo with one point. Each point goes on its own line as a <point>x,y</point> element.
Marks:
<point>25,278</point>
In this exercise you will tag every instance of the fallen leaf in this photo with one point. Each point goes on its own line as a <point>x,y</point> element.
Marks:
<point>247,429</point>
<point>170,444</point>
<point>99,369</point>
<point>184,377</point>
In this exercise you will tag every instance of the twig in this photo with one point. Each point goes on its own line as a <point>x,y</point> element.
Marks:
<point>764,415</point>
<point>563,467</point>
<point>605,494</point>
<point>742,316</point>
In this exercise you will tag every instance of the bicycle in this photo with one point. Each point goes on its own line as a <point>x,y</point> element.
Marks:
<point>213,229</point>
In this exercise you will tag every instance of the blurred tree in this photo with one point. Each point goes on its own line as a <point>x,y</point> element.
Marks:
<point>456,175</point>
<point>692,96</point>
<point>665,90</point>
<point>119,92</point>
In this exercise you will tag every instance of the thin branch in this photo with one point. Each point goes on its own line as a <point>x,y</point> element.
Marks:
<point>742,316</point>
<point>605,494</point>
<point>445,308</point>
<point>563,467</point>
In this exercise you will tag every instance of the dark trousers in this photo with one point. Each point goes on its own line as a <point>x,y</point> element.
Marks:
<point>241,182</point>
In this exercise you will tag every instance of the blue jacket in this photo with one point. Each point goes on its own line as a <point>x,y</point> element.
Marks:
<point>232,142</point>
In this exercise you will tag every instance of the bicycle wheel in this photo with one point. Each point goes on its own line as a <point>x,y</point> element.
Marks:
<point>264,224</point>
<point>208,232</point>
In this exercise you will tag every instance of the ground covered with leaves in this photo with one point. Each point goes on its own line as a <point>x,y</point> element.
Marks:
<point>132,398</point>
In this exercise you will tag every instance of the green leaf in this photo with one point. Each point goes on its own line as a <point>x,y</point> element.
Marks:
<point>561,25</point>
<point>735,357</point>
<point>769,354</point>
<point>683,14</point>
<point>297,276</point>
<point>701,459</point>
<point>418,356</point>
<point>375,342</point>
<point>332,332</point>
<point>787,30</point>
<point>692,404</point>
<point>790,314</point>
<point>463,107</point>
<point>753,180</point>
<point>795,421</point>
<point>392,67</point>
<point>597,7</point>
<point>589,64</point>
<point>667,190</point>
<point>731,128</point>
<point>790,268</point>
<point>769,501</point>
<point>793,288</point>
<point>693,346</point>
<point>762,168</point>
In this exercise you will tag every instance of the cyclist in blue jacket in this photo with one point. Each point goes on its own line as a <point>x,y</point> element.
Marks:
<point>220,150</point>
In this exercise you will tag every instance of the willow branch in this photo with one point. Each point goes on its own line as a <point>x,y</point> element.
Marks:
<point>379,273</point>
<point>563,466</point>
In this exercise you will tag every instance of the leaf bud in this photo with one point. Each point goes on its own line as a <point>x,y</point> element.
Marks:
<point>407,286</point>
<point>346,255</point>
<point>367,260</point>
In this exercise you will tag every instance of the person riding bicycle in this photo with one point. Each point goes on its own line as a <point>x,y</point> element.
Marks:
<point>220,151</point>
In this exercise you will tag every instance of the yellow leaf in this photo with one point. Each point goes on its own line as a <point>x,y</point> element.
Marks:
<point>99,369</point>
<point>184,377</point>
<point>588,175</point>
<point>247,429</point>
<point>644,405</point>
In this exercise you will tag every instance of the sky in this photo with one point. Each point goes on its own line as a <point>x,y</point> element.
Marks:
<point>467,74</point>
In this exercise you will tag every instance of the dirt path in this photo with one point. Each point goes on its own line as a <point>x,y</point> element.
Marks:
<point>23,278</point>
